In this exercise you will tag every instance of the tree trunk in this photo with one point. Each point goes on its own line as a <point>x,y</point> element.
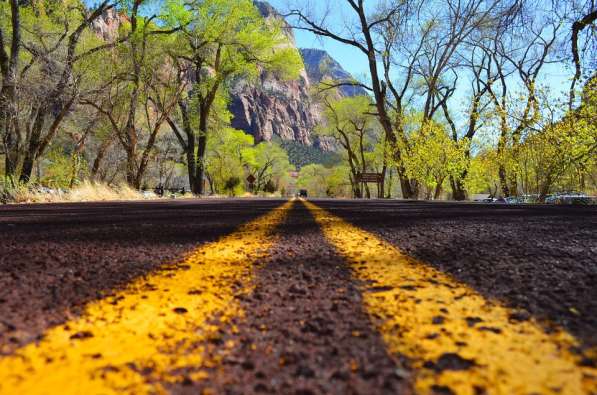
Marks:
<point>191,167</point>
<point>503,180</point>
<point>501,150</point>
<point>198,188</point>
<point>545,187</point>
<point>101,153</point>
<point>198,185</point>
<point>8,94</point>
<point>381,185</point>
<point>438,191</point>
<point>27,169</point>
<point>408,187</point>
<point>131,168</point>
<point>33,146</point>
<point>457,184</point>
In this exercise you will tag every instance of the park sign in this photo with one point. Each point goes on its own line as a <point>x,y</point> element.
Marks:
<point>370,177</point>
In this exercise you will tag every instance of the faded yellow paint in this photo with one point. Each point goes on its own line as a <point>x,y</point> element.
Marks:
<point>138,340</point>
<point>405,297</point>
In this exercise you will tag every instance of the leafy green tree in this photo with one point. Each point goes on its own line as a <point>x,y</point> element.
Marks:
<point>142,91</point>
<point>228,154</point>
<point>321,181</point>
<point>313,178</point>
<point>350,123</point>
<point>220,40</point>
<point>270,166</point>
<point>561,146</point>
<point>482,175</point>
<point>41,56</point>
<point>339,182</point>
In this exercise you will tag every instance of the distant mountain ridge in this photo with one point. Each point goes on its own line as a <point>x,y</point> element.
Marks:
<point>321,66</point>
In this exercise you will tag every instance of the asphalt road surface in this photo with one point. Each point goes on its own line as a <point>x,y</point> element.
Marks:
<point>299,297</point>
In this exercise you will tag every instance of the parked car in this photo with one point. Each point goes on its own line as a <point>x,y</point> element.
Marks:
<point>303,193</point>
<point>570,197</point>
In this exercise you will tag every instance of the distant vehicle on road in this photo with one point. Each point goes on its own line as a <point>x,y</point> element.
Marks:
<point>571,197</point>
<point>303,193</point>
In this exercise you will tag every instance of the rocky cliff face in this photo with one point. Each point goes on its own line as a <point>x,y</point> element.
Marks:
<point>320,66</point>
<point>271,106</point>
<point>106,26</point>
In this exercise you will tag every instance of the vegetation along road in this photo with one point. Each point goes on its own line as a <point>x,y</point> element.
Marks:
<point>305,297</point>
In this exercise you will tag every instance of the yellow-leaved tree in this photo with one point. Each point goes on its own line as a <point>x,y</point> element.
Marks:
<point>433,157</point>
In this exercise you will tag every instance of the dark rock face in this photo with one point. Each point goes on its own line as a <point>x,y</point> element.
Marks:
<point>271,106</point>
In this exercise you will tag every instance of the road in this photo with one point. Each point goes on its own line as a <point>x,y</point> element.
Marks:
<point>297,297</point>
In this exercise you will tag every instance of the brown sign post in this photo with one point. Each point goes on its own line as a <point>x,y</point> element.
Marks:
<point>365,178</point>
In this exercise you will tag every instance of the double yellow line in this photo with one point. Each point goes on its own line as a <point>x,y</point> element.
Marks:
<point>456,339</point>
<point>141,339</point>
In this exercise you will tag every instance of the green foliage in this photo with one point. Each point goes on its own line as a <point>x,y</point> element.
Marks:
<point>269,164</point>
<point>482,175</point>
<point>301,155</point>
<point>562,148</point>
<point>228,153</point>
<point>434,156</point>
<point>321,181</point>
<point>232,186</point>
<point>313,178</point>
<point>231,38</point>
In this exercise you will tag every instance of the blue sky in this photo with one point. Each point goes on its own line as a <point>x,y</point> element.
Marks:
<point>351,59</point>
<point>355,62</point>
<point>556,76</point>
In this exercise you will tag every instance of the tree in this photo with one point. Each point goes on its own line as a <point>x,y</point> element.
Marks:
<point>385,38</point>
<point>40,76</point>
<point>562,145</point>
<point>222,40</point>
<point>482,175</point>
<point>141,91</point>
<point>349,122</point>
<point>434,157</point>
<point>521,49</point>
<point>227,155</point>
<point>270,165</point>
<point>313,178</point>
<point>583,15</point>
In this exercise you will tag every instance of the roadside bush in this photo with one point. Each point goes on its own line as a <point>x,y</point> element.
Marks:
<point>232,186</point>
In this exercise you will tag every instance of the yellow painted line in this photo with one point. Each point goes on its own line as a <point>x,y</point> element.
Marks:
<point>138,340</point>
<point>438,322</point>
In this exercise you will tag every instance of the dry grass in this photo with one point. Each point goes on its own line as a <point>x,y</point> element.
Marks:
<point>85,192</point>
<point>92,192</point>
